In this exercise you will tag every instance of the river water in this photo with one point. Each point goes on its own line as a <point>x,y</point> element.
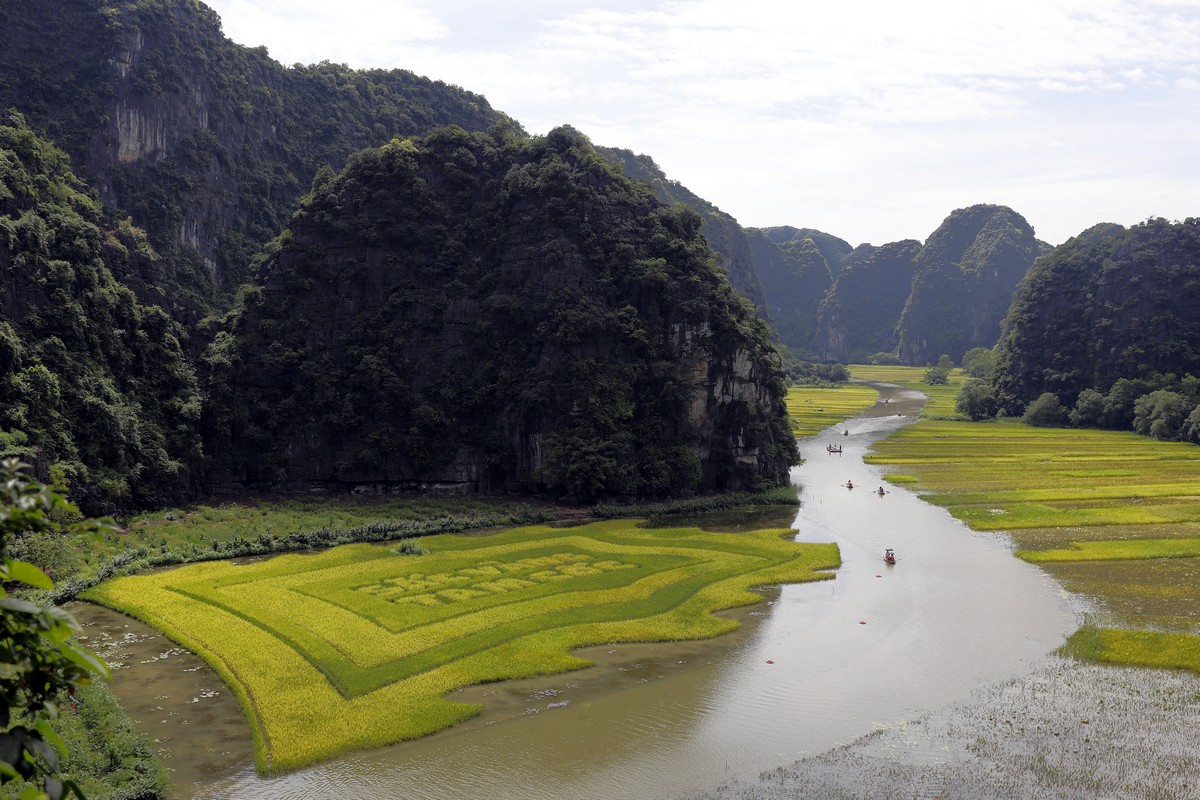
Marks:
<point>819,665</point>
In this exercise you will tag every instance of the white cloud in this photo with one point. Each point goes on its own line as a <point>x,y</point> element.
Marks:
<point>863,115</point>
<point>307,31</point>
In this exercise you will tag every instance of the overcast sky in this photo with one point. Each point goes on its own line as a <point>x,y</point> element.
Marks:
<point>868,120</point>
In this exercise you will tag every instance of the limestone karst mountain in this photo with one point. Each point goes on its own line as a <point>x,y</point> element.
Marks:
<point>911,300</point>
<point>483,311</point>
<point>205,143</point>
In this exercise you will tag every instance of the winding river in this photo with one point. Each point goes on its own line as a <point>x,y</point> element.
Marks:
<point>822,664</point>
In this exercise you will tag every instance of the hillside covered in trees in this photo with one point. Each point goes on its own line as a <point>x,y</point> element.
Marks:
<point>95,389</point>
<point>908,301</point>
<point>204,143</point>
<point>795,274</point>
<point>1107,321</point>
<point>727,237</point>
<point>488,311</point>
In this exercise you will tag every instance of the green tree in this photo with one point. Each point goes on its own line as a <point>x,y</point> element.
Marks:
<point>1089,409</point>
<point>38,664</point>
<point>1045,412</point>
<point>1160,415</point>
<point>936,376</point>
<point>979,362</point>
<point>976,399</point>
<point>1118,403</point>
<point>1191,426</point>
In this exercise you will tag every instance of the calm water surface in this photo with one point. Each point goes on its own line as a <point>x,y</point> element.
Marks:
<point>820,665</point>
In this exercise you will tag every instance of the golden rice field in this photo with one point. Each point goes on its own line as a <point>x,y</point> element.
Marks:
<point>813,409</point>
<point>1113,515</point>
<point>941,398</point>
<point>357,646</point>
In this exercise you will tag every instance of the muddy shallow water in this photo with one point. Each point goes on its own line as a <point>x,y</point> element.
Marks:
<point>817,666</point>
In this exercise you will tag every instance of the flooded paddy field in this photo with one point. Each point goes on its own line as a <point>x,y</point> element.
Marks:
<point>1067,730</point>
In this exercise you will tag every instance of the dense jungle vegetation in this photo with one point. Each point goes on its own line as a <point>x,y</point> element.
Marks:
<point>1105,332</point>
<point>205,143</point>
<point>504,312</point>
<point>95,389</point>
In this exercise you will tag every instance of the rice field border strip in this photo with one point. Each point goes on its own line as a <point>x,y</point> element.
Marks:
<point>304,708</point>
<point>1136,648</point>
<point>1117,550</point>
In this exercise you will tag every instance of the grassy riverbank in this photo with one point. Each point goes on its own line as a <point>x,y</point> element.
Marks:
<point>355,647</point>
<point>813,409</point>
<point>262,526</point>
<point>1112,515</point>
<point>941,397</point>
<point>256,526</point>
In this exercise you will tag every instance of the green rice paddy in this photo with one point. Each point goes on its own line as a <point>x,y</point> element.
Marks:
<point>813,409</point>
<point>1113,515</point>
<point>357,646</point>
<point>941,398</point>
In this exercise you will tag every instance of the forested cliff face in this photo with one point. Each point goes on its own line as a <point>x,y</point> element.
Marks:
<point>722,231</point>
<point>912,301</point>
<point>833,249</point>
<point>95,389</point>
<point>1110,304</point>
<point>207,144</point>
<point>489,312</point>
<point>795,277</point>
<point>966,275</point>
<point>857,318</point>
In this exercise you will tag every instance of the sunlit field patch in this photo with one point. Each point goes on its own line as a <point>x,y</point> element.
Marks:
<point>1136,648</point>
<point>812,409</point>
<point>941,398</point>
<point>1117,550</point>
<point>1113,515</point>
<point>356,646</point>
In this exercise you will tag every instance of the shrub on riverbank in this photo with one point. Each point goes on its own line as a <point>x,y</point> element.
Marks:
<point>779,496</point>
<point>108,758</point>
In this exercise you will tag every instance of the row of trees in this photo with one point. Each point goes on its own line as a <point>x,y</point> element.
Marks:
<point>1161,406</point>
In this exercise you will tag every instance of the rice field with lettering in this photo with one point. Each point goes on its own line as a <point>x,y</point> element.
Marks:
<point>812,409</point>
<point>357,646</point>
<point>1114,516</point>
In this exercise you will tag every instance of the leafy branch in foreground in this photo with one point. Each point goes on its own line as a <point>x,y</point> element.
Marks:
<point>38,664</point>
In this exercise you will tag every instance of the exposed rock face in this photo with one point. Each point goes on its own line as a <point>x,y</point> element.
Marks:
<point>966,275</point>
<point>205,143</point>
<point>489,313</point>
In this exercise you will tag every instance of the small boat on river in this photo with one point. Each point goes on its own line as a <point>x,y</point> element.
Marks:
<point>833,448</point>
<point>889,556</point>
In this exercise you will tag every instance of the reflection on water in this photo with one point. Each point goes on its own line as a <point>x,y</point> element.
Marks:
<point>821,664</point>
